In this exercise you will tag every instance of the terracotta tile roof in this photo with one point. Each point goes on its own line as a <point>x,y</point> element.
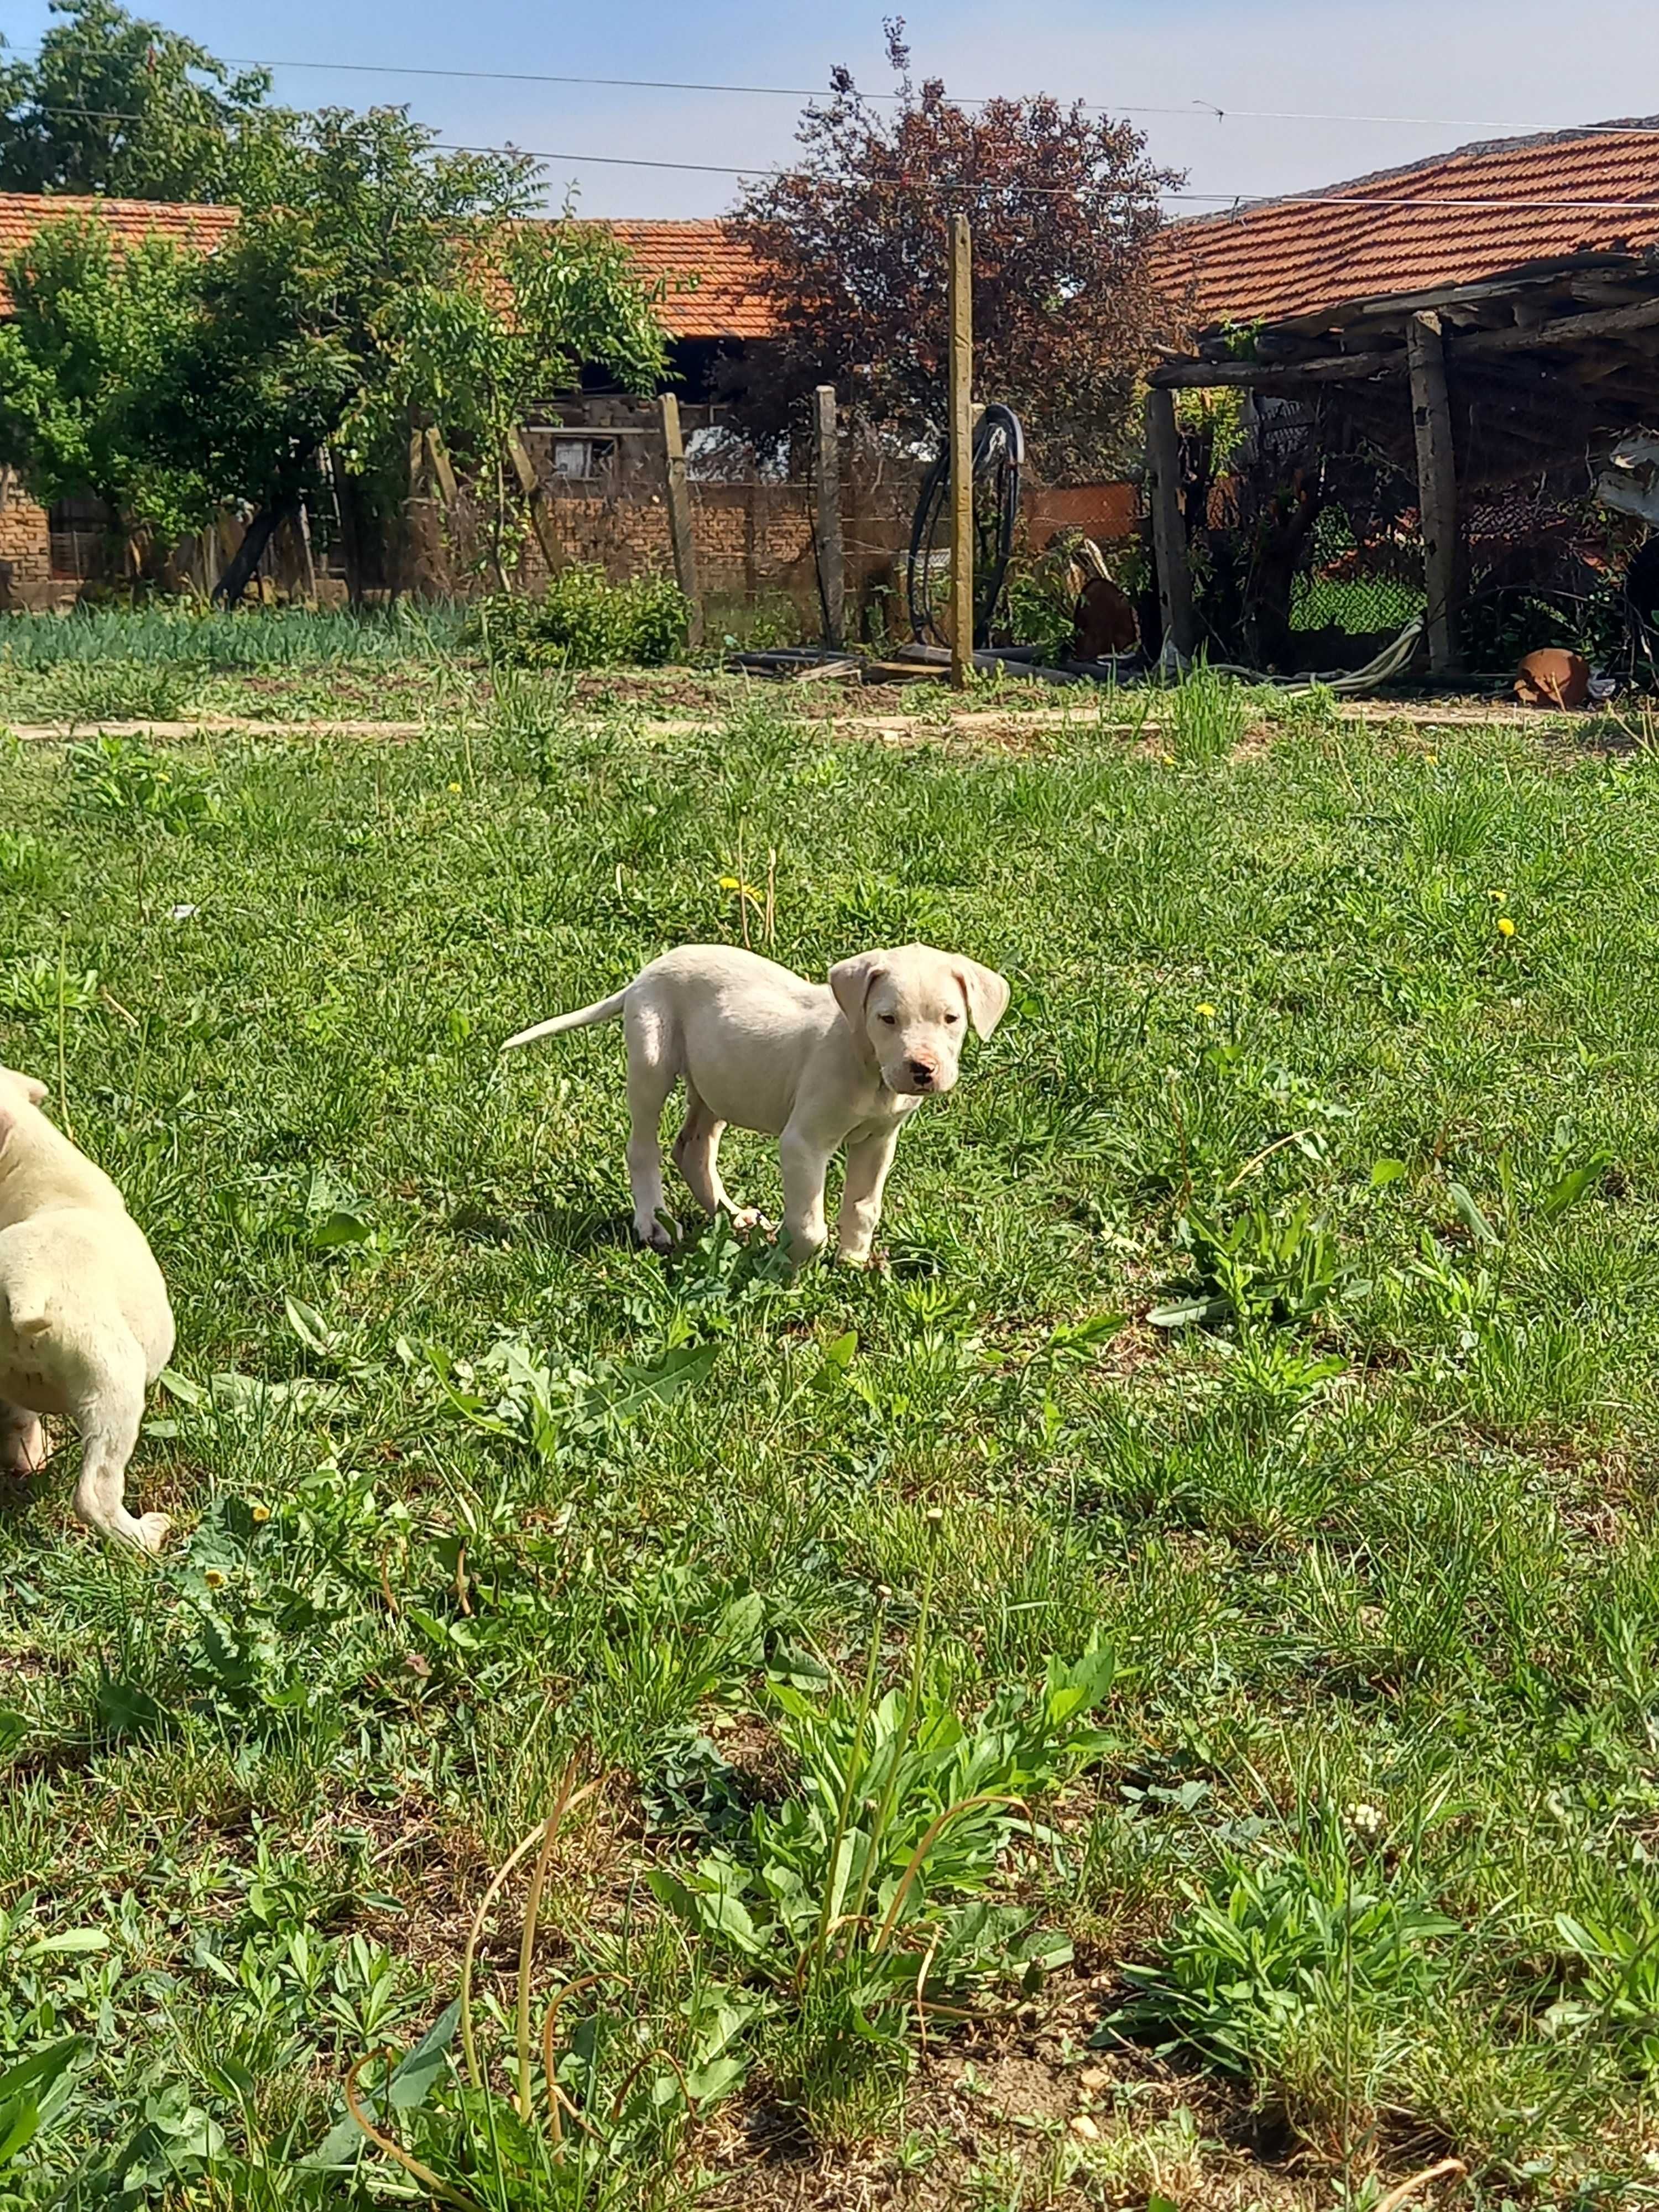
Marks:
<point>1294,259</point>
<point>23,214</point>
<point>728,301</point>
<point>713,275</point>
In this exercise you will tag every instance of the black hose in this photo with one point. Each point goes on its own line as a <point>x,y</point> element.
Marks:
<point>998,460</point>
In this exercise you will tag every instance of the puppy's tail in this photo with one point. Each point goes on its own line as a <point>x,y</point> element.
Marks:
<point>606,1010</point>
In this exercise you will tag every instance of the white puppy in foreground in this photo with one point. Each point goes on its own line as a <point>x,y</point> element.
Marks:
<point>85,1326</point>
<point>816,1067</point>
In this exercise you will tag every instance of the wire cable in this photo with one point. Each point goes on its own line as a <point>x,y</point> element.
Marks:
<point>1192,108</point>
<point>1243,202</point>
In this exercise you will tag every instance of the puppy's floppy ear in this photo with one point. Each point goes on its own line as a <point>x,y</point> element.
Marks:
<point>851,981</point>
<point>986,994</point>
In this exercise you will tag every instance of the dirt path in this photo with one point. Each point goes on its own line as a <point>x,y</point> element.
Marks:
<point>897,728</point>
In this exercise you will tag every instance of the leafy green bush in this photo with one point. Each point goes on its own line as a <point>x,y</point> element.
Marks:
<point>123,778</point>
<point>1208,713</point>
<point>1266,1949</point>
<point>1037,610</point>
<point>582,620</point>
<point>119,691</point>
<point>1264,1267</point>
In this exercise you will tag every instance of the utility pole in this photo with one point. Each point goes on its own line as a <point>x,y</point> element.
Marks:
<point>961,452</point>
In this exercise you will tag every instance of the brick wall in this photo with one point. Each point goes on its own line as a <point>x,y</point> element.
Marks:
<point>26,578</point>
<point>750,538</point>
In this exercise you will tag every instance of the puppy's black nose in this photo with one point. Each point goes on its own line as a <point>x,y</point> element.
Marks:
<point>922,1073</point>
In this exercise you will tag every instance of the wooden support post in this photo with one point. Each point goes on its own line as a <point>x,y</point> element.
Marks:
<point>826,517</point>
<point>535,492</point>
<point>961,303</point>
<point>1175,575</point>
<point>442,474</point>
<point>350,548</point>
<point>1436,486</point>
<point>308,557</point>
<point>679,513</point>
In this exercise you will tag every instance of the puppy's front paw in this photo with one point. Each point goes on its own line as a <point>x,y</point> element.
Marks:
<point>23,1447</point>
<point>745,1217</point>
<point>659,1236</point>
<point>859,1255</point>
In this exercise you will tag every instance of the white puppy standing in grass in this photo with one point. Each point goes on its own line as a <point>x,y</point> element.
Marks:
<point>817,1066</point>
<point>85,1326</point>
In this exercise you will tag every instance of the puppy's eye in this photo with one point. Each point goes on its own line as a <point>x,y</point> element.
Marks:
<point>951,1020</point>
<point>891,1020</point>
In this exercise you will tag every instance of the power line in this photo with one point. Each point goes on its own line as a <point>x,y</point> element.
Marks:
<point>1243,202</point>
<point>1192,109</point>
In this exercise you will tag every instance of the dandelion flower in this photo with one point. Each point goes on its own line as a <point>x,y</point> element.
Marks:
<point>1207,1010</point>
<point>1431,759</point>
<point>216,1578</point>
<point>261,1513</point>
<point>1498,898</point>
<point>455,787</point>
<point>1505,926</point>
<point>1168,759</point>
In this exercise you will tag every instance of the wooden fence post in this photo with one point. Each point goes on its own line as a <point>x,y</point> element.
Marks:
<point>1436,486</point>
<point>826,518</point>
<point>961,304</point>
<point>350,548</point>
<point>1174,578</point>
<point>541,506</point>
<point>679,513</point>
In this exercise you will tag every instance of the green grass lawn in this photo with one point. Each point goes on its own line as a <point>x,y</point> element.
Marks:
<point>1147,1699</point>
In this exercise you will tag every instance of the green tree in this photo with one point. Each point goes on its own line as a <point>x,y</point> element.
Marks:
<point>95,345</point>
<point>476,357</point>
<point>393,282</point>
<point>1064,205</point>
<point>114,104</point>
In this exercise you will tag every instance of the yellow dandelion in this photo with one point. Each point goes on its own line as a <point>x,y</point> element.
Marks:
<point>1432,759</point>
<point>455,787</point>
<point>1207,1010</point>
<point>1498,898</point>
<point>1505,926</point>
<point>261,1515</point>
<point>1168,759</point>
<point>214,1579</point>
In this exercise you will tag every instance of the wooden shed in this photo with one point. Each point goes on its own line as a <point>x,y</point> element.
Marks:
<point>1486,316</point>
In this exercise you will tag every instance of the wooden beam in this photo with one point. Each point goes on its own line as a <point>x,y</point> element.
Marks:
<point>826,516</point>
<point>442,474</point>
<point>1342,368</point>
<point>1174,580</point>
<point>1437,486</point>
<point>961,306</point>
<point>1566,329</point>
<point>535,492</point>
<point>679,513</point>
<point>1256,376</point>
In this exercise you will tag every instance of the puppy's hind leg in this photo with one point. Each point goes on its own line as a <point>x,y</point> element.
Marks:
<point>697,1155</point>
<point>651,1076</point>
<point>22,1446</point>
<point>109,1421</point>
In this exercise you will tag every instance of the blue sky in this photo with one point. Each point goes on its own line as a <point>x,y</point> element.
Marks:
<point>1468,68</point>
